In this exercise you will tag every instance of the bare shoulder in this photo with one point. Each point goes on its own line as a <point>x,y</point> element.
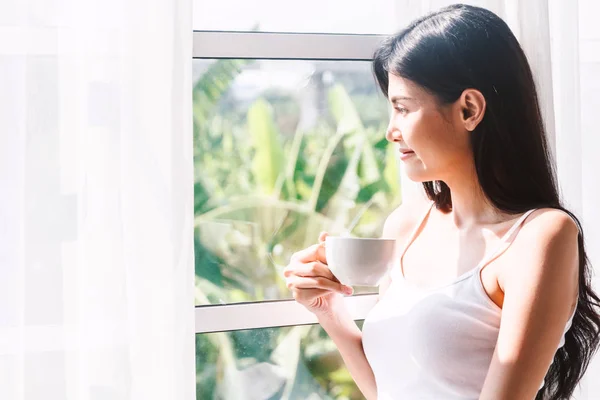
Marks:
<point>548,246</point>
<point>548,226</point>
<point>400,223</point>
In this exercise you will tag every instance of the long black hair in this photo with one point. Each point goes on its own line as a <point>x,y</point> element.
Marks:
<point>461,47</point>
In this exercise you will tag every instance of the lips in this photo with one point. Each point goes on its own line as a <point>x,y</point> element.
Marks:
<point>405,154</point>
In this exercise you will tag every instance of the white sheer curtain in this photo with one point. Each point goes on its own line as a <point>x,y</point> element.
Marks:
<point>96,200</point>
<point>576,81</point>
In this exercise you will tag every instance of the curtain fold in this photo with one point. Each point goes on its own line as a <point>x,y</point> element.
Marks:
<point>96,211</point>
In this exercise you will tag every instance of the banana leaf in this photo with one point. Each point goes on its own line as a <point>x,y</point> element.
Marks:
<point>268,161</point>
<point>348,120</point>
<point>201,197</point>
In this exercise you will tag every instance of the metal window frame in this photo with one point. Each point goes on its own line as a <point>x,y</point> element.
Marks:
<point>277,46</point>
<point>267,314</point>
<point>284,46</point>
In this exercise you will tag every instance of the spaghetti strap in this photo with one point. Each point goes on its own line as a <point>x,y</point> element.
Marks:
<point>413,234</point>
<point>506,240</point>
<point>408,242</point>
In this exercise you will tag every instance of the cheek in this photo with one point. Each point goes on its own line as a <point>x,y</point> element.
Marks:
<point>421,133</point>
<point>411,128</point>
<point>433,139</point>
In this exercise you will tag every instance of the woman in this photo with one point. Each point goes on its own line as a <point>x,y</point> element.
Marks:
<point>491,298</point>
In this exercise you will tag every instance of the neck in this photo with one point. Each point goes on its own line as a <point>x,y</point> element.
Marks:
<point>470,207</point>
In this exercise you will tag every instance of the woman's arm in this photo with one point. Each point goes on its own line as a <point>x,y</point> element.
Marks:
<point>342,329</point>
<point>540,292</point>
<point>314,286</point>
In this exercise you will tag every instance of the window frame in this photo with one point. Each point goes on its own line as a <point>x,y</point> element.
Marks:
<point>277,46</point>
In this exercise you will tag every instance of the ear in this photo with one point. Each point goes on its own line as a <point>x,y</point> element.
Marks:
<point>472,105</point>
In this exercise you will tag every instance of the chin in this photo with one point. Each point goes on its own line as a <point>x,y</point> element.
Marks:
<point>418,176</point>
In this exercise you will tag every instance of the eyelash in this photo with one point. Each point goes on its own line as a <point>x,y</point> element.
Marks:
<point>401,110</point>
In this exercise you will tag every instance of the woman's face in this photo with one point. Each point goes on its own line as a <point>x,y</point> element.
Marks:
<point>432,140</point>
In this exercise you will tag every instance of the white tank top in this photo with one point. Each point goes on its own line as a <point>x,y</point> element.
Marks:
<point>435,343</point>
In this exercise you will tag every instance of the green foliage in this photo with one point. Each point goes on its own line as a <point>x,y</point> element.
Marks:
<point>267,163</point>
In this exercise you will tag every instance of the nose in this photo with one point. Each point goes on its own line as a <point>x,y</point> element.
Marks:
<point>392,134</point>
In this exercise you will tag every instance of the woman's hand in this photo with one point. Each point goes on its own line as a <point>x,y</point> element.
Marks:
<point>312,283</point>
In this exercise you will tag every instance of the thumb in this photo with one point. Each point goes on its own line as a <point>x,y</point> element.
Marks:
<point>323,236</point>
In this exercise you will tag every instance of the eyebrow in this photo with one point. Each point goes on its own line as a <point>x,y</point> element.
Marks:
<point>400,98</point>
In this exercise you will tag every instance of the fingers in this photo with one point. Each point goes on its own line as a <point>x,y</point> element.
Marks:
<point>309,295</point>
<point>314,268</point>
<point>296,282</point>
<point>315,252</point>
<point>308,275</point>
<point>323,236</point>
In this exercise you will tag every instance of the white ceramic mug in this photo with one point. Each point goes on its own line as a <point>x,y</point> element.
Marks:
<point>359,261</point>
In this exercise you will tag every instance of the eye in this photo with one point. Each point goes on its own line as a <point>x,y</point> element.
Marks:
<point>401,110</point>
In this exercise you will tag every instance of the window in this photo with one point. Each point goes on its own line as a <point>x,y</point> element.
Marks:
<point>285,149</point>
<point>298,361</point>
<point>288,141</point>
<point>275,344</point>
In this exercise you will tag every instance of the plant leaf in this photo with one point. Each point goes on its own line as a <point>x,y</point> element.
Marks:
<point>343,110</point>
<point>268,161</point>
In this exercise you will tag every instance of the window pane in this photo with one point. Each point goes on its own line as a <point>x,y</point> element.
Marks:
<point>319,16</point>
<point>283,150</point>
<point>300,361</point>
